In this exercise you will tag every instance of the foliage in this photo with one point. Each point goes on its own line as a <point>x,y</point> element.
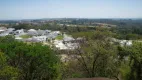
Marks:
<point>135,61</point>
<point>96,57</point>
<point>34,61</point>
<point>125,71</point>
<point>7,72</point>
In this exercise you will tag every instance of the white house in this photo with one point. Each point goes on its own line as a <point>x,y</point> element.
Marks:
<point>59,44</point>
<point>19,32</point>
<point>40,32</point>
<point>56,32</point>
<point>46,32</point>
<point>2,29</point>
<point>72,46</point>
<point>40,38</point>
<point>53,34</point>
<point>32,32</point>
<point>4,34</point>
<point>68,38</point>
<point>125,42</point>
<point>10,30</point>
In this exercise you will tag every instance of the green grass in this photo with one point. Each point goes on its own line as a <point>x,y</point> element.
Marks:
<point>25,36</point>
<point>82,34</point>
<point>60,37</point>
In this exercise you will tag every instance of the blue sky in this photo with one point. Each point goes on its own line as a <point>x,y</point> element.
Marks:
<point>33,9</point>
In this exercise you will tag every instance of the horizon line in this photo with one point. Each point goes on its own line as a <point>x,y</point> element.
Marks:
<point>61,18</point>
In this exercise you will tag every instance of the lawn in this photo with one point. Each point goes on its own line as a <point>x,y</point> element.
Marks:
<point>60,37</point>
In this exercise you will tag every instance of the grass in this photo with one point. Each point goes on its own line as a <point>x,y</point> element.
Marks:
<point>82,34</point>
<point>60,37</point>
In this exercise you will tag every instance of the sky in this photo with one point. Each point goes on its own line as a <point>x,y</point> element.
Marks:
<point>37,9</point>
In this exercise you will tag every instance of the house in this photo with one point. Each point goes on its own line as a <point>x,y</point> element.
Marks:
<point>72,46</point>
<point>67,38</point>
<point>40,32</point>
<point>10,30</point>
<point>59,44</point>
<point>56,32</point>
<point>2,29</point>
<point>19,32</point>
<point>122,42</point>
<point>125,42</point>
<point>40,38</point>
<point>68,46</point>
<point>36,39</point>
<point>32,32</point>
<point>46,32</point>
<point>53,34</point>
<point>4,34</point>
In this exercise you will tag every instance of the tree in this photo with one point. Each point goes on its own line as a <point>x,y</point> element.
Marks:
<point>98,59</point>
<point>134,53</point>
<point>7,72</point>
<point>96,56</point>
<point>34,61</point>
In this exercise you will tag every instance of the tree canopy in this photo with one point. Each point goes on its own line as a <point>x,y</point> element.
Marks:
<point>32,61</point>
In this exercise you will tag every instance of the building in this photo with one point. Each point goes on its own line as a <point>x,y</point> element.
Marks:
<point>32,32</point>
<point>46,32</point>
<point>40,38</point>
<point>59,45</point>
<point>4,34</point>
<point>19,32</point>
<point>2,29</point>
<point>40,32</point>
<point>122,42</point>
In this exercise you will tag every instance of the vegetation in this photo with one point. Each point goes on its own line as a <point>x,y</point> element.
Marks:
<point>97,55</point>
<point>95,58</point>
<point>27,61</point>
<point>7,72</point>
<point>134,54</point>
<point>60,37</point>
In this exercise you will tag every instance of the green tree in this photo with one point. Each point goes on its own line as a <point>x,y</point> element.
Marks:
<point>96,56</point>
<point>7,72</point>
<point>98,59</point>
<point>34,61</point>
<point>134,53</point>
